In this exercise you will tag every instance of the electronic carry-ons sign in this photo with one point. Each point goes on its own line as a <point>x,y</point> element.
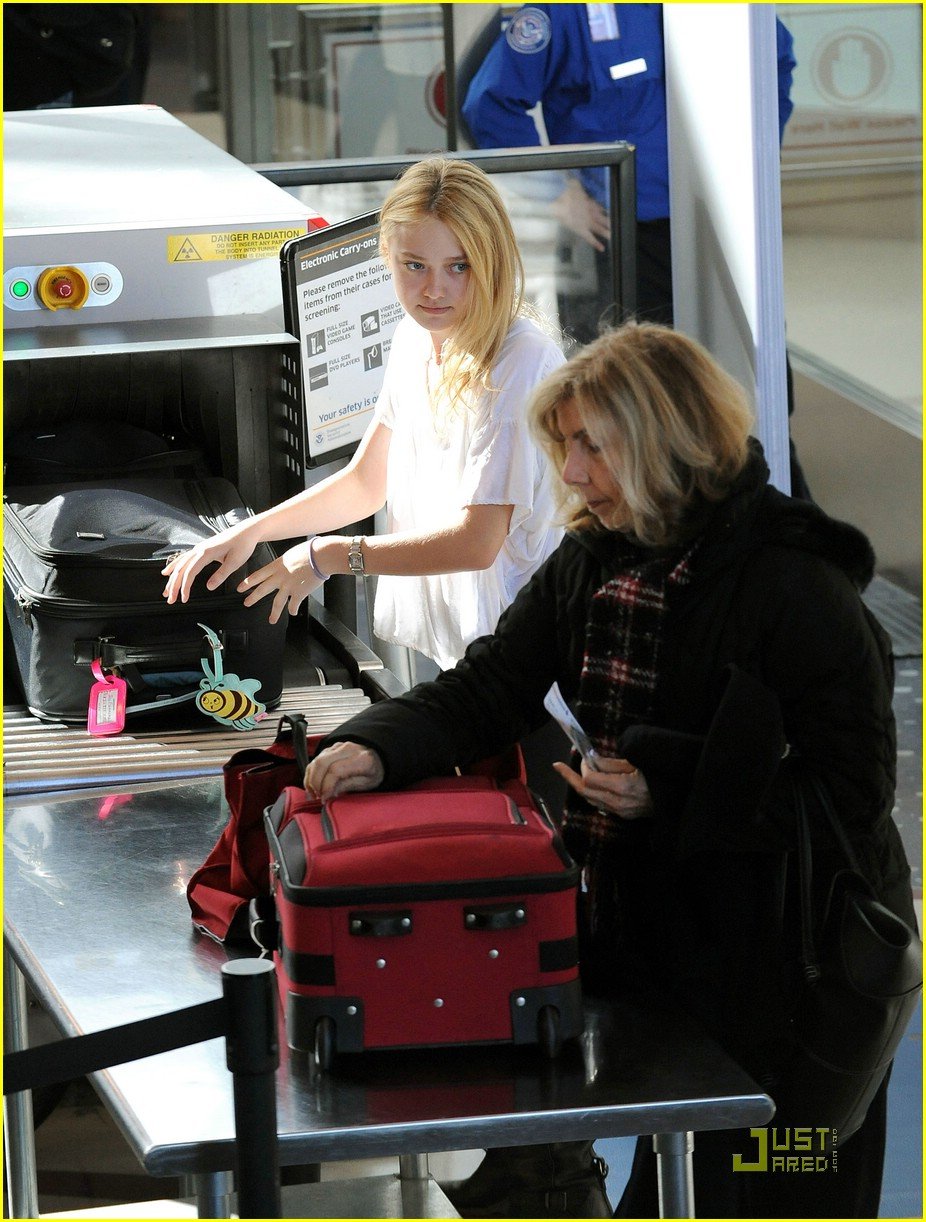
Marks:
<point>341,306</point>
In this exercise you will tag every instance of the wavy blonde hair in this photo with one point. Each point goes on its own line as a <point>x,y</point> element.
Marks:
<point>672,425</point>
<point>466,200</point>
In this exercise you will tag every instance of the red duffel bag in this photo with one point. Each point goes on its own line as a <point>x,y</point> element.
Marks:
<point>237,869</point>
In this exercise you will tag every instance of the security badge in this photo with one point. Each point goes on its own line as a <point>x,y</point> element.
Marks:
<point>528,31</point>
<point>602,22</point>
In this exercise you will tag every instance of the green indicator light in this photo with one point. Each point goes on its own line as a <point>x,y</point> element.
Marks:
<point>20,288</point>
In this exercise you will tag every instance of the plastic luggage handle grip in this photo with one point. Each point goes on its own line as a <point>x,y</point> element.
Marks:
<point>263,923</point>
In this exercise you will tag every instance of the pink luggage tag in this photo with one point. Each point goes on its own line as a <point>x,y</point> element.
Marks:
<point>106,712</point>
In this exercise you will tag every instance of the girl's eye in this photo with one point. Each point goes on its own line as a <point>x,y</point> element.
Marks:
<point>591,448</point>
<point>459,268</point>
<point>413,266</point>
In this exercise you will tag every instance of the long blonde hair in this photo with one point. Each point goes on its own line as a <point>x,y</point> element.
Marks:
<point>671,424</point>
<point>466,200</point>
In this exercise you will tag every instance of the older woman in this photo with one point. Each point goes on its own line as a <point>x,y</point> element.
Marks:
<point>708,632</point>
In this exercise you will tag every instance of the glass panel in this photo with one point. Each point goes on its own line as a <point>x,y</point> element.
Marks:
<point>851,212</point>
<point>357,80</point>
<point>851,202</point>
<point>857,87</point>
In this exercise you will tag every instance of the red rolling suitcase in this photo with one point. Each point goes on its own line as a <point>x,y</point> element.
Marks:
<point>440,914</point>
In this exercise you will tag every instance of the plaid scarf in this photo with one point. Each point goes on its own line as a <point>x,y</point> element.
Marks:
<point>620,671</point>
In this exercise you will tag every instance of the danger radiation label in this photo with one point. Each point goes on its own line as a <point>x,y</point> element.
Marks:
<point>239,244</point>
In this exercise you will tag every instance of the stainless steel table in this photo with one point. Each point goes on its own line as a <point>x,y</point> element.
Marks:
<point>97,923</point>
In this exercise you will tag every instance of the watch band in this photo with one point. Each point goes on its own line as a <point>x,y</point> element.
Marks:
<point>355,556</point>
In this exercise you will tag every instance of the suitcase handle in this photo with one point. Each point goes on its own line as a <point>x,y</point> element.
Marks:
<point>494,916</point>
<point>177,653</point>
<point>379,924</point>
<point>263,923</point>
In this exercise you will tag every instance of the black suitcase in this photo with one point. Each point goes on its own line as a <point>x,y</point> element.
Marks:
<point>82,583</point>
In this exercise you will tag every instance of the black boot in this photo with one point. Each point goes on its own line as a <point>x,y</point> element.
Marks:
<point>563,1180</point>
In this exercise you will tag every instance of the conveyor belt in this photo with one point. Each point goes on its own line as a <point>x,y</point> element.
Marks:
<point>40,756</point>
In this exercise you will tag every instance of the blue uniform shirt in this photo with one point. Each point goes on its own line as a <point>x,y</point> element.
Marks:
<point>599,72</point>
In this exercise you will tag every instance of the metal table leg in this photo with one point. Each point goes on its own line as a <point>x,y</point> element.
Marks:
<point>19,1130</point>
<point>414,1167</point>
<point>675,1174</point>
<point>213,1194</point>
<point>420,1197</point>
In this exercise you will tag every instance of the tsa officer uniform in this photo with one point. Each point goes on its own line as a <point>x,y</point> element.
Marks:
<point>598,69</point>
<point>599,72</point>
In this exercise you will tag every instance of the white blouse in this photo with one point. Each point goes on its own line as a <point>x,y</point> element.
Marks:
<point>480,453</point>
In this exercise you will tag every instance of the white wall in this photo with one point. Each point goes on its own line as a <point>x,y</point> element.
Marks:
<point>721,75</point>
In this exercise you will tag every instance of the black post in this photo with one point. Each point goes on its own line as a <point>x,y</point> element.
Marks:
<point>252,1054</point>
<point>623,191</point>
<point>450,77</point>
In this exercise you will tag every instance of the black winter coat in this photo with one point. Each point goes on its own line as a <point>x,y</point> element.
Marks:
<point>771,668</point>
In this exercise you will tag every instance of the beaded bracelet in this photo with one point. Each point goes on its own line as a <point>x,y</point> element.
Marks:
<point>312,561</point>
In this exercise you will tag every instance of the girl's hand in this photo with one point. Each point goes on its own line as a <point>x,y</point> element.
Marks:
<point>618,789</point>
<point>290,578</point>
<point>344,768</point>
<point>230,550</point>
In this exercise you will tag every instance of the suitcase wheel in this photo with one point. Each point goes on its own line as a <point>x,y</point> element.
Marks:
<point>325,1043</point>
<point>549,1034</point>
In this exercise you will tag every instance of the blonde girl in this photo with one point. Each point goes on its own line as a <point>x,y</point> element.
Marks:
<point>468,496</point>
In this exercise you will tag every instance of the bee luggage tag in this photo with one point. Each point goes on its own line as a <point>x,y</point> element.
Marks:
<point>230,700</point>
<point>106,711</point>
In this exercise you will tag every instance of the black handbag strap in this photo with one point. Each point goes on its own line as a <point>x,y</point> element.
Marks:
<point>839,832</point>
<point>809,963</point>
<point>805,863</point>
<point>299,731</point>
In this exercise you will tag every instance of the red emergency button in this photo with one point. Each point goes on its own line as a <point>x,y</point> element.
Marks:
<point>62,288</point>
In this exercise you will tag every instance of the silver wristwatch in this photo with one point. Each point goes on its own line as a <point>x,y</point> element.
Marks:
<point>355,556</point>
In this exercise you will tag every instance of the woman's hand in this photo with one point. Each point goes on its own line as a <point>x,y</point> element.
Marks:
<point>230,550</point>
<point>618,789</point>
<point>344,768</point>
<point>290,578</point>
